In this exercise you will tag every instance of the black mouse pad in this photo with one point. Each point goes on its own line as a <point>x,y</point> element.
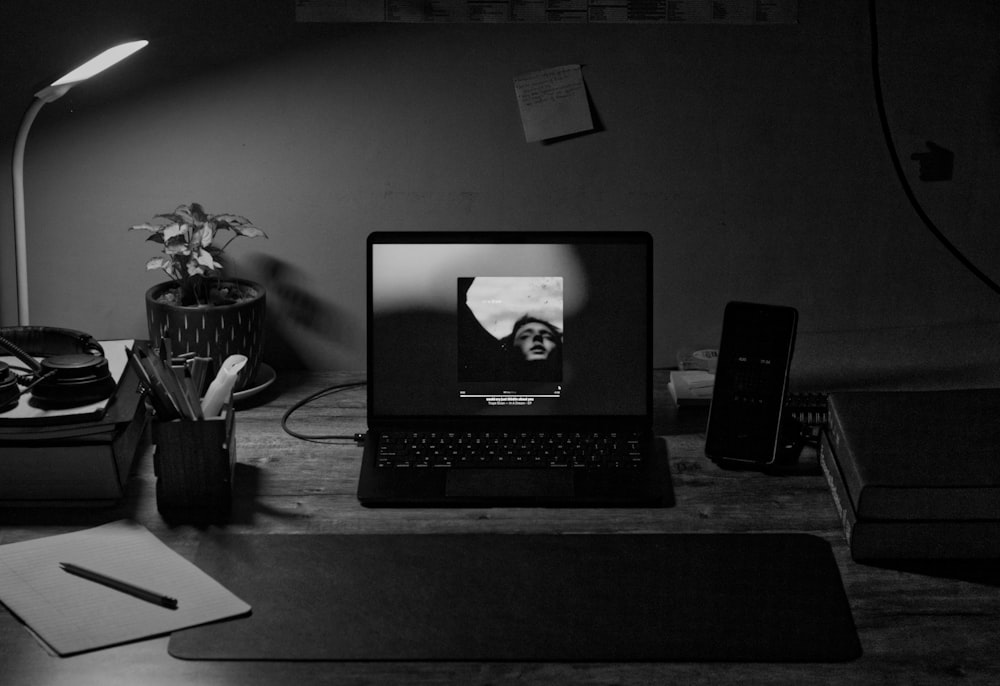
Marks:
<point>493,597</point>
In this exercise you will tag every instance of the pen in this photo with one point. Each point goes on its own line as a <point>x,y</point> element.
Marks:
<point>192,400</point>
<point>166,349</point>
<point>124,587</point>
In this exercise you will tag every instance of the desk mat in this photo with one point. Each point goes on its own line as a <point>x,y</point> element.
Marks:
<point>553,598</point>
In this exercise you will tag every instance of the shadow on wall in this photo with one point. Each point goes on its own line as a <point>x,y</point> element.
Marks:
<point>304,331</point>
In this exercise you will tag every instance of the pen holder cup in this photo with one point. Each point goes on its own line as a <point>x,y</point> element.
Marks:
<point>194,462</point>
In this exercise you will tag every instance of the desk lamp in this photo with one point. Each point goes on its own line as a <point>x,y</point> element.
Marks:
<point>53,91</point>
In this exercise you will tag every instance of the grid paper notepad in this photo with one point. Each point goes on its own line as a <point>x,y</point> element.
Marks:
<point>73,615</point>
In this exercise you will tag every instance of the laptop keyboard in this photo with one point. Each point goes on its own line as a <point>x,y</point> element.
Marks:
<point>582,450</point>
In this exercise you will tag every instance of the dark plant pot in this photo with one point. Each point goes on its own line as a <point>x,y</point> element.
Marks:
<point>215,331</point>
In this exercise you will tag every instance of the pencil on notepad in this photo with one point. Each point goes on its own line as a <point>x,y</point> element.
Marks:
<point>119,585</point>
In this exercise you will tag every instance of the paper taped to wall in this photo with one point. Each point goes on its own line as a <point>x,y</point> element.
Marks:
<point>553,102</point>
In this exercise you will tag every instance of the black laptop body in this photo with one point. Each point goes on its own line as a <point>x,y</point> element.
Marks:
<point>540,339</point>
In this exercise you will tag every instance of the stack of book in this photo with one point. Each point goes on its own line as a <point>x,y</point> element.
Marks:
<point>916,474</point>
<point>74,456</point>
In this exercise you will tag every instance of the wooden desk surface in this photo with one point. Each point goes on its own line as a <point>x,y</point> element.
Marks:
<point>915,626</point>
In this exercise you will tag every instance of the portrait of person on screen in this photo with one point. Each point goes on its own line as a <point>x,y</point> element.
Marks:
<point>533,350</point>
<point>510,329</point>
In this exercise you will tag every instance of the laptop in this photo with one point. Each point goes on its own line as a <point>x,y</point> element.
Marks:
<point>510,369</point>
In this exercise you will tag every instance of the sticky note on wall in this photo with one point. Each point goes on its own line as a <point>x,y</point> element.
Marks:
<point>553,102</point>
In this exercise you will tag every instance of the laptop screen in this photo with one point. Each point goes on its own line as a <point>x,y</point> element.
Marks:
<point>513,324</point>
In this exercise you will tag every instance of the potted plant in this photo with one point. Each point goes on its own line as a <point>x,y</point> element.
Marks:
<point>201,310</point>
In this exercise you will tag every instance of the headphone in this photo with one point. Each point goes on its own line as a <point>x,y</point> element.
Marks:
<point>73,370</point>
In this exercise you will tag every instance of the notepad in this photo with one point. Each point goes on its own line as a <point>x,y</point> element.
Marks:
<point>73,615</point>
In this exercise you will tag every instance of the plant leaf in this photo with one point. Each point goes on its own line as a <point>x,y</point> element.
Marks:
<point>158,263</point>
<point>174,231</point>
<point>205,235</point>
<point>187,238</point>
<point>239,224</point>
<point>249,231</point>
<point>186,214</point>
<point>155,228</point>
<point>205,259</point>
<point>196,211</point>
<point>232,219</point>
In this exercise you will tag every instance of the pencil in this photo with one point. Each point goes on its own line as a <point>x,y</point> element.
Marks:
<point>123,586</point>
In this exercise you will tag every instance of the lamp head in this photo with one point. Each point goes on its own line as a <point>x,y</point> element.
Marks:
<point>96,65</point>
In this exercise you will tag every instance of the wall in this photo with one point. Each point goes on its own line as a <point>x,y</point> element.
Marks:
<point>752,154</point>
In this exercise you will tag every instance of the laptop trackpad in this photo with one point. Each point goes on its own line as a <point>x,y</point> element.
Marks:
<point>509,483</point>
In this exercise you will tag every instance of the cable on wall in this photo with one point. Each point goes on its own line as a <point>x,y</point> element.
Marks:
<point>907,189</point>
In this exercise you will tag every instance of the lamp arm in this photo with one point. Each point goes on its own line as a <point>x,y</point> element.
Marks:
<point>20,240</point>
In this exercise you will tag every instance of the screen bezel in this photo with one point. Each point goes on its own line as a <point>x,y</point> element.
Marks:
<point>639,421</point>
